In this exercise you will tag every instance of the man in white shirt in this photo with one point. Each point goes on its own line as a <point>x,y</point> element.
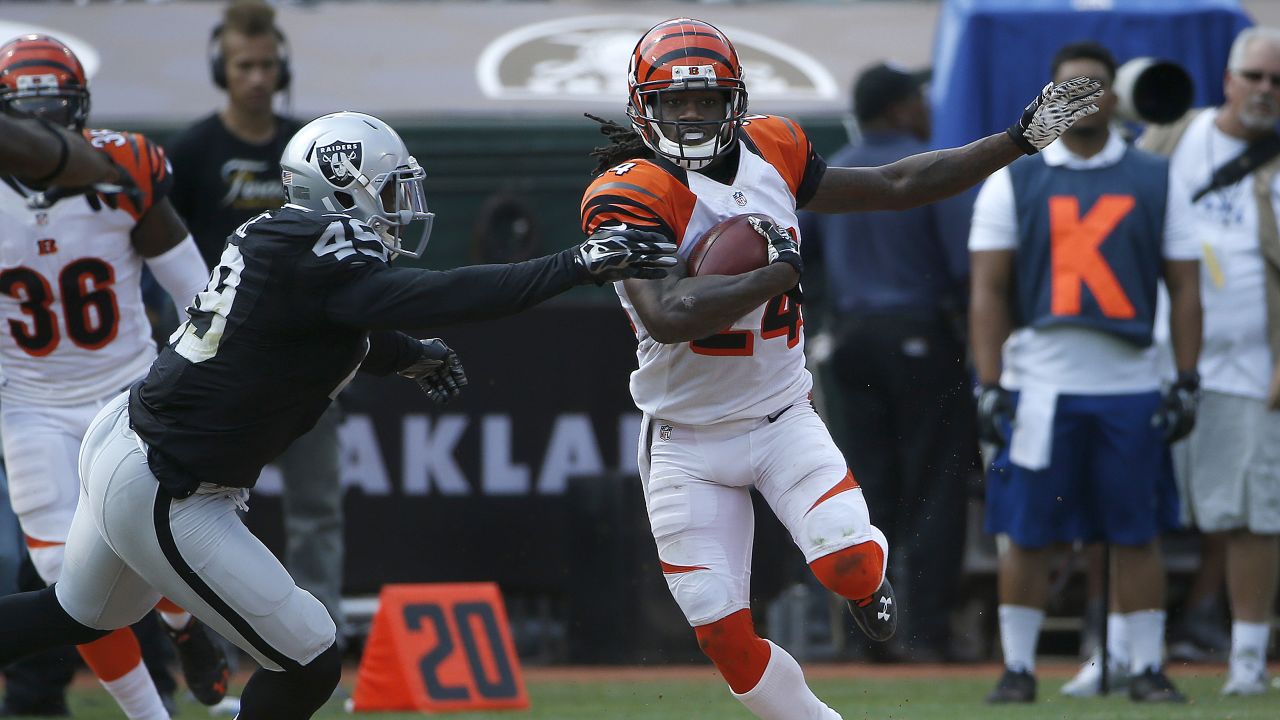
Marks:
<point>1229,467</point>
<point>1067,249</point>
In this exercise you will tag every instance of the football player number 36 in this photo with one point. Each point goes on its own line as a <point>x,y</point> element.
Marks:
<point>88,306</point>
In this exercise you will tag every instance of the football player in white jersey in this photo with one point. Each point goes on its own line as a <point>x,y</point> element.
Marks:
<point>721,377</point>
<point>77,333</point>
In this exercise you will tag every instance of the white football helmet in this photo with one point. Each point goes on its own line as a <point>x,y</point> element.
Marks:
<point>352,163</point>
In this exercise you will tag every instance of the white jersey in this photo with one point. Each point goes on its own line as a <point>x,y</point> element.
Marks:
<point>756,366</point>
<point>75,329</point>
<point>1235,357</point>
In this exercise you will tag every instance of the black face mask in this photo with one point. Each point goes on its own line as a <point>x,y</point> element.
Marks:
<point>58,109</point>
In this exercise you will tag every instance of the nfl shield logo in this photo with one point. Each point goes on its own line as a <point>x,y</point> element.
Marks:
<point>664,432</point>
<point>331,158</point>
<point>739,198</point>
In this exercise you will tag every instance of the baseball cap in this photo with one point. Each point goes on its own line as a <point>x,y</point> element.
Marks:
<point>883,84</point>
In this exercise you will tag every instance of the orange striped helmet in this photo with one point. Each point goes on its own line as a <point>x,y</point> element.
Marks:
<point>683,55</point>
<point>41,77</point>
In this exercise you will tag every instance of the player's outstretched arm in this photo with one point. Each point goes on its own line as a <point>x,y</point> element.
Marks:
<point>41,153</point>
<point>680,308</point>
<point>927,177</point>
<point>382,297</point>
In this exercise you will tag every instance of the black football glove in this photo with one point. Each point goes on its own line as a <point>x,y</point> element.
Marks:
<point>110,192</point>
<point>995,410</point>
<point>1055,109</point>
<point>1177,413</point>
<point>782,248</point>
<point>617,252</point>
<point>438,371</point>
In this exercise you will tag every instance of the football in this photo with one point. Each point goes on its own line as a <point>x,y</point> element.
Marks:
<point>731,247</point>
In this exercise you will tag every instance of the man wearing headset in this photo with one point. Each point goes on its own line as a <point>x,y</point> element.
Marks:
<point>227,170</point>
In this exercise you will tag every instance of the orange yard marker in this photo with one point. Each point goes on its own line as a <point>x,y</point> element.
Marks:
<point>439,648</point>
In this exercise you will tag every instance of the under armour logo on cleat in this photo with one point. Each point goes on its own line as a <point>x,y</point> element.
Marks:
<point>885,602</point>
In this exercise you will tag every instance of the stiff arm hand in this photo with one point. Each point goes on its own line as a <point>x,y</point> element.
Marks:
<point>617,252</point>
<point>40,153</point>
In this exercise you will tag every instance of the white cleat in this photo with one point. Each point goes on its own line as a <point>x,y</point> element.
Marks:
<point>1245,683</point>
<point>1088,681</point>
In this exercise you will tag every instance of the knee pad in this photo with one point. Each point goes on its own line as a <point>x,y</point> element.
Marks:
<point>703,594</point>
<point>836,521</point>
<point>854,572</point>
<point>739,654</point>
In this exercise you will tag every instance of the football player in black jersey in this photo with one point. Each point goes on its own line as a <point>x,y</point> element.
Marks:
<point>302,298</point>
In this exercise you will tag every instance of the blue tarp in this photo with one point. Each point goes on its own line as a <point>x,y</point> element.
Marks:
<point>992,56</point>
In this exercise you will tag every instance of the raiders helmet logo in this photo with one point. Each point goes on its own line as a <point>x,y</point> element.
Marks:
<point>330,159</point>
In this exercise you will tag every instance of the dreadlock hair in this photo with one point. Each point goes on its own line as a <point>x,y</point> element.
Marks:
<point>624,144</point>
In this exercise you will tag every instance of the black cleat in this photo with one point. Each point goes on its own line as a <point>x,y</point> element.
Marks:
<point>877,616</point>
<point>1014,687</point>
<point>204,664</point>
<point>1154,686</point>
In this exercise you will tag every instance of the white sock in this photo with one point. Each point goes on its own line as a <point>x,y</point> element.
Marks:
<point>782,693</point>
<point>1249,645</point>
<point>1146,640</point>
<point>1117,641</point>
<point>177,621</point>
<point>1019,633</point>
<point>136,695</point>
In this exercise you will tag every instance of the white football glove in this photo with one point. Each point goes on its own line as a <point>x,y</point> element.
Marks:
<point>617,252</point>
<point>1055,109</point>
<point>782,248</point>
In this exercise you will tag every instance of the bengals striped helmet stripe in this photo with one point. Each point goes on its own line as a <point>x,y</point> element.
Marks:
<point>684,39</point>
<point>41,77</point>
<point>40,54</point>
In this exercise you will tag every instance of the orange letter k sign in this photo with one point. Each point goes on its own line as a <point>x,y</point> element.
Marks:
<point>1077,258</point>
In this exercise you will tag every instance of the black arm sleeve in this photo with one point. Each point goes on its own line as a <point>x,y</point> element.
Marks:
<point>390,351</point>
<point>814,169</point>
<point>375,296</point>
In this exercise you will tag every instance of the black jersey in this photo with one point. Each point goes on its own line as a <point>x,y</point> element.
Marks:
<point>299,301</point>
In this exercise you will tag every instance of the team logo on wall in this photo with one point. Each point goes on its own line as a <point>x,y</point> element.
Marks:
<point>585,58</point>
<point>331,157</point>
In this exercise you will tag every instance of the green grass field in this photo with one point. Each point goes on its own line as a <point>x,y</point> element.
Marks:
<point>945,697</point>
